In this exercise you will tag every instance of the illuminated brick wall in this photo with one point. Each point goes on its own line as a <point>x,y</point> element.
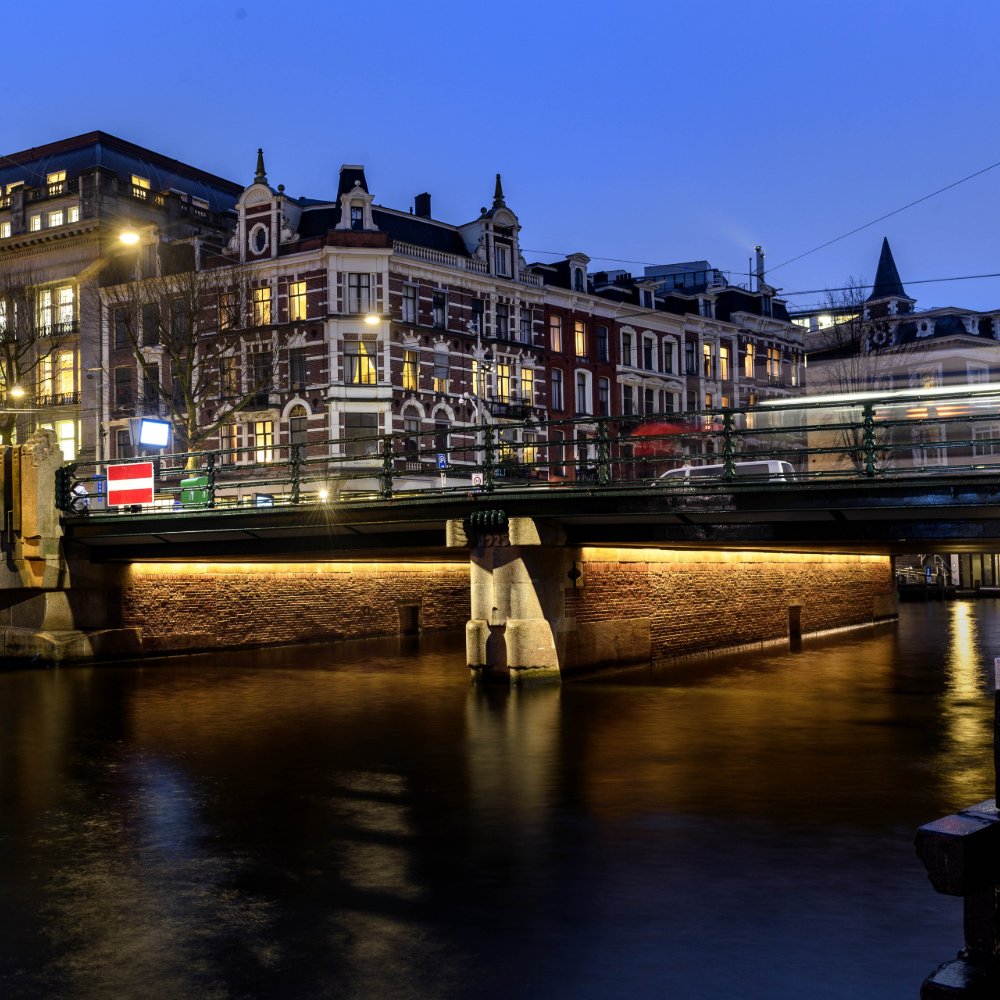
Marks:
<point>209,606</point>
<point>700,601</point>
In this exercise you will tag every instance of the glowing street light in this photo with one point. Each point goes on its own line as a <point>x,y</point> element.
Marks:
<point>129,237</point>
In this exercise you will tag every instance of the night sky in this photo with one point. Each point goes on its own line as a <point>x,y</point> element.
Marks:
<point>634,132</point>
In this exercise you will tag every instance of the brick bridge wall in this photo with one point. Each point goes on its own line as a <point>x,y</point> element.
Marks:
<point>211,606</point>
<point>695,602</point>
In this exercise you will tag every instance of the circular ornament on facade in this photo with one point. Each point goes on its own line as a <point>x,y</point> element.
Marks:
<point>258,238</point>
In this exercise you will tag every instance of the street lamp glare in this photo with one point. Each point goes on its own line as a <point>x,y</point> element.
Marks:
<point>17,392</point>
<point>129,237</point>
<point>373,319</point>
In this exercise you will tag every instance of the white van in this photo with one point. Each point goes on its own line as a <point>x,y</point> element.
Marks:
<point>763,470</point>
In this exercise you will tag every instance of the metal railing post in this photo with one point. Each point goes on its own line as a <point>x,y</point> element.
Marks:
<point>603,453</point>
<point>868,438</point>
<point>728,446</point>
<point>385,478</point>
<point>489,458</point>
<point>210,471</point>
<point>296,472</point>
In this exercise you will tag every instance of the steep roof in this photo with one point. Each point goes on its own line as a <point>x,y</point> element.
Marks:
<point>887,284</point>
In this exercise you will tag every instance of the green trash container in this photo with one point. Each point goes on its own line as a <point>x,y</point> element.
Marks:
<point>194,491</point>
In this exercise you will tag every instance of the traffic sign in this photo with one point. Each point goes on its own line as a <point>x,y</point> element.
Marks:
<point>129,484</point>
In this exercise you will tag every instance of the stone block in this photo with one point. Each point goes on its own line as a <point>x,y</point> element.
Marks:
<point>962,852</point>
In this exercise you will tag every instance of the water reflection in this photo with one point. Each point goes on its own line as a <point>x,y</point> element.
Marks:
<point>359,821</point>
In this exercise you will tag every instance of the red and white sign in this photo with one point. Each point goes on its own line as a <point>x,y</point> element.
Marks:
<point>128,484</point>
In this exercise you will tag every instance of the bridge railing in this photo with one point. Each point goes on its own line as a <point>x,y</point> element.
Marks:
<point>857,436</point>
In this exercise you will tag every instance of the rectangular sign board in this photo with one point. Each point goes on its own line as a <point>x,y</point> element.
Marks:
<point>129,484</point>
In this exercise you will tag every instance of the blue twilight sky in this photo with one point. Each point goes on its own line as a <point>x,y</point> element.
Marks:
<point>647,132</point>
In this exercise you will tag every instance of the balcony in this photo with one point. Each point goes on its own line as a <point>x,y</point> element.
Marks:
<point>512,408</point>
<point>62,329</point>
<point>60,399</point>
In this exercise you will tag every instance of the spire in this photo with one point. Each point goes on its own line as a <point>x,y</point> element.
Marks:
<point>887,284</point>
<point>260,177</point>
<point>498,201</point>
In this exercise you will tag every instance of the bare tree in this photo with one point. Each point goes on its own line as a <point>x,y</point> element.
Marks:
<point>856,353</point>
<point>32,336</point>
<point>201,335</point>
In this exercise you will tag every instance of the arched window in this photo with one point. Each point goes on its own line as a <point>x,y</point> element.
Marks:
<point>298,425</point>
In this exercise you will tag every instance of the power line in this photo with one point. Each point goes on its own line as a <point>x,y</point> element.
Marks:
<point>888,215</point>
<point>863,287</point>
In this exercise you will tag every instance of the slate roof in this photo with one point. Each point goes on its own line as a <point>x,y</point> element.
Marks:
<point>99,149</point>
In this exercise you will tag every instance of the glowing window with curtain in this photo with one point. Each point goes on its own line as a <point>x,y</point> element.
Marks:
<point>263,441</point>
<point>503,382</point>
<point>724,363</point>
<point>262,306</point>
<point>359,362</point>
<point>296,301</point>
<point>580,338</point>
<point>528,385</point>
<point>748,362</point>
<point>66,374</point>
<point>441,370</point>
<point>411,374</point>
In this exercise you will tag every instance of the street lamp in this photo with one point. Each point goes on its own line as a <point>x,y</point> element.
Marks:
<point>484,364</point>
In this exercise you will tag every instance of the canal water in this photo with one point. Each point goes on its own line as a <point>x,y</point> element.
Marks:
<point>357,821</point>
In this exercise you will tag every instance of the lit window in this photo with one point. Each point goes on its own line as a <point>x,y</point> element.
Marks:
<point>709,367</point>
<point>55,218</point>
<point>409,304</point>
<point>411,372</point>
<point>45,310</point>
<point>503,382</point>
<point>724,363</point>
<point>140,187</point>
<point>441,369</point>
<point>65,306</point>
<point>555,334</point>
<point>773,363</point>
<point>67,433</point>
<point>580,339</point>
<point>73,213</point>
<point>229,441</point>
<point>35,223</point>
<point>262,306</point>
<point>263,439</point>
<point>359,363</point>
<point>56,177</point>
<point>4,230</point>
<point>528,385</point>
<point>13,184</point>
<point>748,362</point>
<point>297,301</point>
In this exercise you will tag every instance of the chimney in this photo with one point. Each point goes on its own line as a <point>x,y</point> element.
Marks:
<point>422,205</point>
<point>761,284</point>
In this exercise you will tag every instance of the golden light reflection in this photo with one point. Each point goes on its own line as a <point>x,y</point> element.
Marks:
<point>595,554</point>
<point>291,568</point>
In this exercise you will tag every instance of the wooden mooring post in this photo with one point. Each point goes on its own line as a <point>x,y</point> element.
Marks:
<point>962,856</point>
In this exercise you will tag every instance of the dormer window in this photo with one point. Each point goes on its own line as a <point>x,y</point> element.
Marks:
<point>501,259</point>
<point>357,217</point>
<point>578,279</point>
<point>646,298</point>
<point>140,187</point>
<point>13,184</point>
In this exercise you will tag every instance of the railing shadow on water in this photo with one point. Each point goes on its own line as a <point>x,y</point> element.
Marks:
<point>855,437</point>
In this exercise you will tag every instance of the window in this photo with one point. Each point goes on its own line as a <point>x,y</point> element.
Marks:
<point>358,293</point>
<point>528,385</point>
<point>151,390</point>
<point>123,388</point>
<point>411,371</point>
<point>409,304</point>
<point>442,433</point>
<point>68,436</point>
<point>748,362</point>
<point>263,374</point>
<point>478,309</point>
<point>55,218</point>
<point>503,382</point>
<point>985,440</point>
<point>602,343</point>
<point>121,329</point>
<point>709,361</point>
<point>627,349</point>
<point>724,363</point>
<point>628,400</point>
<point>297,301</point>
<point>150,325</point>
<point>180,322</point>
<point>56,177</point>
<point>229,442</point>
<point>140,187</point>
<point>439,309</point>
<point>441,372</point>
<point>582,393</point>
<point>929,378</point>
<point>263,441</point>
<point>690,368</point>
<point>647,353</point>
<point>123,444</point>
<point>580,338</point>
<point>262,306</point>
<point>773,364</point>
<point>298,365</point>
<point>357,217</point>
<point>603,398</point>
<point>578,285</point>
<point>35,223</point>
<point>649,401</point>
<point>298,425</point>
<point>977,374</point>
<point>361,434</point>
<point>359,362</point>
<point>668,356</point>
<point>556,379</point>
<point>555,334</point>
<point>229,375</point>
<point>227,310</point>
<point>501,258</point>
<point>73,213</point>
<point>526,336</point>
<point>503,321</point>
<point>4,230</point>
<point>12,185</point>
